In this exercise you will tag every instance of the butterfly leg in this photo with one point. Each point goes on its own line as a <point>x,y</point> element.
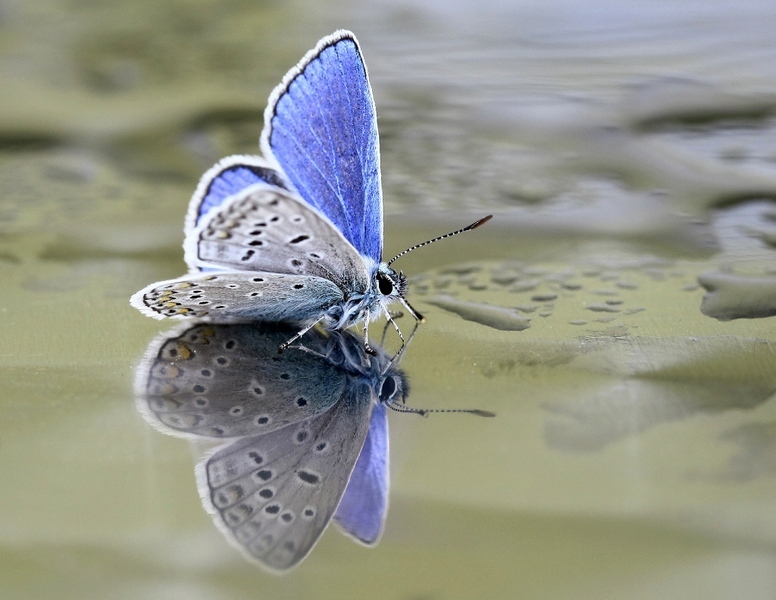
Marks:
<point>396,359</point>
<point>389,317</point>
<point>367,347</point>
<point>394,314</point>
<point>287,343</point>
<point>417,316</point>
<point>303,348</point>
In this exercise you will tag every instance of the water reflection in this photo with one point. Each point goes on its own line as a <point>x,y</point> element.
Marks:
<point>307,431</point>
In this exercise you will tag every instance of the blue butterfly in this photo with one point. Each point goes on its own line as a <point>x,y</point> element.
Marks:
<point>307,431</point>
<point>296,236</point>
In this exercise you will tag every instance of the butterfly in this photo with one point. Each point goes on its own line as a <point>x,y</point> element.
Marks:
<point>295,236</point>
<point>307,431</point>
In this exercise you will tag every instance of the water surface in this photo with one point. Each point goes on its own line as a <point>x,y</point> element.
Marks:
<point>617,313</point>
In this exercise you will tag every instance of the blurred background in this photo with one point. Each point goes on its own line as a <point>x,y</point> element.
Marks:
<point>617,313</point>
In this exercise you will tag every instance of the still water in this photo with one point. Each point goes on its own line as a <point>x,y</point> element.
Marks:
<point>617,313</point>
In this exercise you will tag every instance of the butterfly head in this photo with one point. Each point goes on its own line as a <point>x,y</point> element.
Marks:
<point>391,285</point>
<point>394,387</point>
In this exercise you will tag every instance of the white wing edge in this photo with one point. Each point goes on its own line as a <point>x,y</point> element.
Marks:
<point>292,74</point>
<point>200,475</point>
<point>142,370</point>
<point>136,300</point>
<point>250,160</point>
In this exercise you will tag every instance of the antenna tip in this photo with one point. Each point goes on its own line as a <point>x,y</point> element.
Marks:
<point>482,413</point>
<point>482,221</point>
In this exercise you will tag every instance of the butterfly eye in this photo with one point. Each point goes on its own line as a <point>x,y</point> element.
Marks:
<point>388,389</point>
<point>384,284</point>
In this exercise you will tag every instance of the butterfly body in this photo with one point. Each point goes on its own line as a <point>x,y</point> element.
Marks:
<point>294,236</point>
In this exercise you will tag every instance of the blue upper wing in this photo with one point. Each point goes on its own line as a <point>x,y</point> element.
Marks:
<point>362,510</point>
<point>320,127</point>
<point>227,177</point>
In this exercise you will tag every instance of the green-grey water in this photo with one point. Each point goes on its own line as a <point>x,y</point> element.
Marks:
<point>617,313</point>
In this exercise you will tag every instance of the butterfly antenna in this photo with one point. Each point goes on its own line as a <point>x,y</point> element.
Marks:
<point>441,237</point>
<point>424,411</point>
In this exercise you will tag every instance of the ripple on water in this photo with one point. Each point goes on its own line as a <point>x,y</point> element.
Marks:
<point>500,295</point>
<point>497,317</point>
<point>731,296</point>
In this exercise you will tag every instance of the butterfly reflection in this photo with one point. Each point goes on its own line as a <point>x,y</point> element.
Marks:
<point>307,431</point>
